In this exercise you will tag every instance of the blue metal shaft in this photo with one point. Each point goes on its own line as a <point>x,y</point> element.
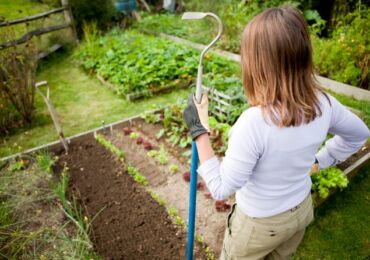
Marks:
<point>192,200</point>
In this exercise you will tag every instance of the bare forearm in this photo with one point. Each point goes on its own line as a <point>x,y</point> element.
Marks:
<point>204,147</point>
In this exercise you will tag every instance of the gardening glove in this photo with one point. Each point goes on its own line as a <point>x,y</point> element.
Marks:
<point>196,115</point>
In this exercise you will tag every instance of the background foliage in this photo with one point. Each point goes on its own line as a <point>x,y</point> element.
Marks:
<point>341,44</point>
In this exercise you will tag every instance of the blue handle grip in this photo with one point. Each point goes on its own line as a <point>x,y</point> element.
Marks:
<point>192,200</point>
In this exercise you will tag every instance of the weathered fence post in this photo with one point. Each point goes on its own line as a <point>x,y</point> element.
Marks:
<point>69,19</point>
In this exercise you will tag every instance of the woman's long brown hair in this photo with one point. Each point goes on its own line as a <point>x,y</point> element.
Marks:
<point>276,58</point>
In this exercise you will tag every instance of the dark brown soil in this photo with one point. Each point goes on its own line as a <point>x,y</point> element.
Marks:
<point>151,130</point>
<point>210,218</point>
<point>128,223</point>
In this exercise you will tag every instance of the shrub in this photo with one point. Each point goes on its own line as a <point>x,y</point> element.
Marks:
<point>87,11</point>
<point>17,80</point>
<point>345,56</point>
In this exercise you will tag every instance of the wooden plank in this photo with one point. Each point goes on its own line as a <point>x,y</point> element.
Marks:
<point>134,96</point>
<point>46,53</point>
<point>26,37</point>
<point>69,19</point>
<point>341,88</point>
<point>220,94</point>
<point>218,100</point>
<point>55,144</point>
<point>220,108</point>
<point>33,17</point>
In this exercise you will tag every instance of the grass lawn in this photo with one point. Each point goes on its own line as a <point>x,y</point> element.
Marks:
<point>80,101</point>
<point>341,228</point>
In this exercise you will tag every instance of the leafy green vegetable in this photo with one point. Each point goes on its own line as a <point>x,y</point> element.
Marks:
<point>134,135</point>
<point>328,178</point>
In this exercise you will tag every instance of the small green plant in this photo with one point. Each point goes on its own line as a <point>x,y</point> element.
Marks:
<point>161,155</point>
<point>45,162</point>
<point>152,153</point>
<point>151,118</point>
<point>108,145</point>
<point>172,211</point>
<point>199,238</point>
<point>17,166</point>
<point>173,168</point>
<point>134,135</point>
<point>179,221</point>
<point>326,179</point>
<point>219,135</point>
<point>161,201</point>
<point>210,254</point>
<point>136,175</point>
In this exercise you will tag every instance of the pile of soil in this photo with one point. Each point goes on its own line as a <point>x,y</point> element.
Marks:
<point>127,222</point>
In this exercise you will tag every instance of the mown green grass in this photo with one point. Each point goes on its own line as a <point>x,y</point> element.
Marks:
<point>341,228</point>
<point>12,9</point>
<point>81,102</point>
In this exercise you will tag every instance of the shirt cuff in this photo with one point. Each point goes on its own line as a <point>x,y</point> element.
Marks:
<point>209,168</point>
<point>325,159</point>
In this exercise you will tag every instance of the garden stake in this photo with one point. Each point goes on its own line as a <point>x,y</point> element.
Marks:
<point>52,112</point>
<point>194,151</point>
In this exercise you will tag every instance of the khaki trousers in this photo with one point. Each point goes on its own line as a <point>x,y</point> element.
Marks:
<point>275,237</point>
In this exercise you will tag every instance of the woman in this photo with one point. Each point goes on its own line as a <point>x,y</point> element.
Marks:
<point>272,146</point>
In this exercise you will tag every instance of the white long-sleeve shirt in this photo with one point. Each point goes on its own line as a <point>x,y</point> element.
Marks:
<point>269,167</point>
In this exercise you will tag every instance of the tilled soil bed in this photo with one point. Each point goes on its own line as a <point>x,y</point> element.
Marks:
<point>127,222</point>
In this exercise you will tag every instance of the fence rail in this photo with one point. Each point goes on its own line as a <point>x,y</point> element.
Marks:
<point>26,37</point>
<point>65,9</point>
<point>33,17</point>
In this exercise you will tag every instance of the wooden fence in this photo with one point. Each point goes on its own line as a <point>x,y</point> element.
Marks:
<point>65,9</point>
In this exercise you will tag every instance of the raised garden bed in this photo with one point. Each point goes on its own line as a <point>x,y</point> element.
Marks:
<point>139,137</point>
<point>135,65</point>
<point>126,221</point>
<point>100,178</point>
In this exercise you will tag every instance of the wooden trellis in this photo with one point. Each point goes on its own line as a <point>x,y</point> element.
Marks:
<point>221,102</point>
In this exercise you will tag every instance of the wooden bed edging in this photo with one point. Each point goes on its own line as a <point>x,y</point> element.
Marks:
<point>147,92</point>
<point>338,87</point>
<point>57,144</point>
